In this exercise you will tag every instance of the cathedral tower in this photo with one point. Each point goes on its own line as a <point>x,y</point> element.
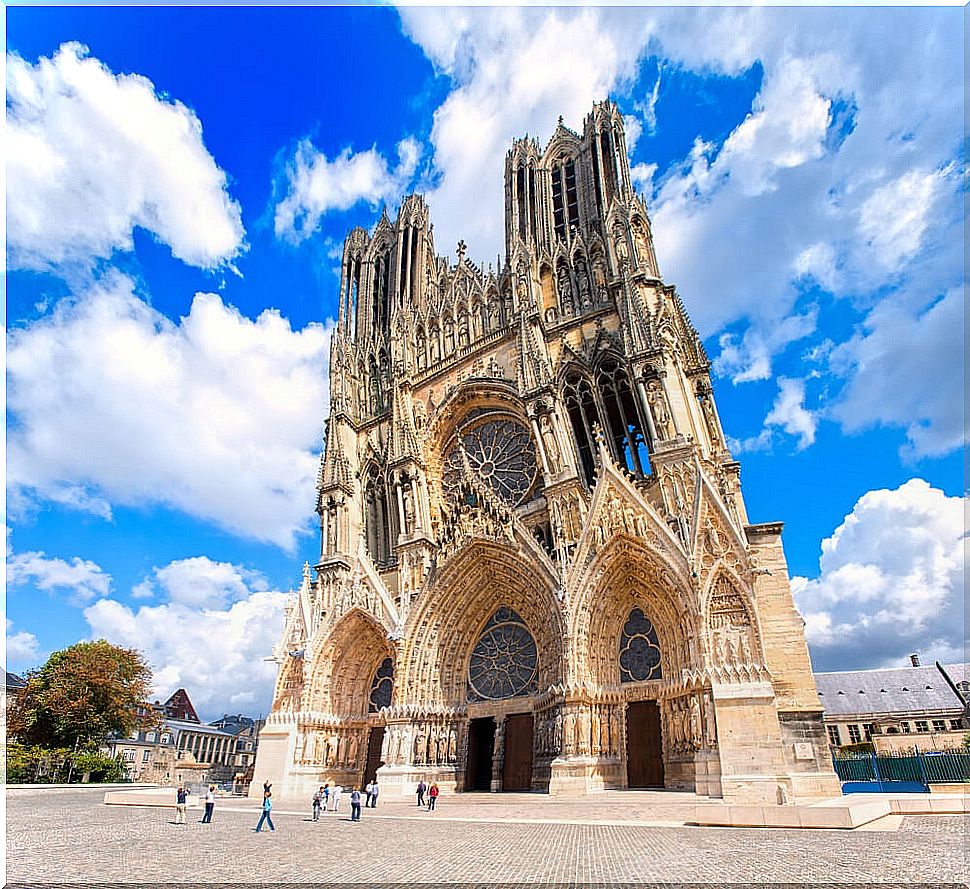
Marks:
<point>536,567</point>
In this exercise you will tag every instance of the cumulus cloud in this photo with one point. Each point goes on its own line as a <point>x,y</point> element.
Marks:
<point>214,649</point>
<point>315,184</point>
<point>91,155</point>
<point>23,648</point>
<point>83,580</point>
<point>200,582</point>
<point>890,581</point>
<point>217,415</point>
<point>789,412</point>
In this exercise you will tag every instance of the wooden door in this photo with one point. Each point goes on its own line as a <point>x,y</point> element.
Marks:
<point>374,761</point>
<point>481,743</point>
<point>644,751</point>
<point>517,762</point>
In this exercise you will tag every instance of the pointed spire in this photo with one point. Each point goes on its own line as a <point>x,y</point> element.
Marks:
<point>404,439</point>
<point>533,370</point>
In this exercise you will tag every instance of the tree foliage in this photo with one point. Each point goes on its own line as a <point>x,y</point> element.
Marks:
<point>80,696</point>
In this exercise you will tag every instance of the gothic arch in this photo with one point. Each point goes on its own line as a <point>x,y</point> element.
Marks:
<point>731,631</point>
<point>345,665</point>
<point>446,622</point>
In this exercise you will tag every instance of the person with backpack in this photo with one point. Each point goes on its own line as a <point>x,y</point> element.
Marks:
<point>265,816</point>
<point>422,787</point>
<point>432,796</point>
<point>317,803</point>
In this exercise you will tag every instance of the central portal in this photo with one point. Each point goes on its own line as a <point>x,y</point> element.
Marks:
<point>517,762</point>
<point>644,752</point>
<point>481,747</point>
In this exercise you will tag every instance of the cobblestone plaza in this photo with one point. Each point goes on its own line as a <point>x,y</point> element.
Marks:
<point>71,837</point>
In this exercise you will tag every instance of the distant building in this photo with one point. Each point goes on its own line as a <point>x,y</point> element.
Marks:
<point>180,748</point>
<point>897,709</point>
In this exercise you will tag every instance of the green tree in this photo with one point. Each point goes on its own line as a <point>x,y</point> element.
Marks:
<point>80,696</point>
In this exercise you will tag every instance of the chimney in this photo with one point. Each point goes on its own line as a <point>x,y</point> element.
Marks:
<point>914,659</point>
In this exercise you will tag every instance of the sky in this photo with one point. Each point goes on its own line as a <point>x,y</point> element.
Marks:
<point>179,184</point>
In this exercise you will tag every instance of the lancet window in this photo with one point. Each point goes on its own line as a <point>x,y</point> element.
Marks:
<point>639,649</point>
<point>611,405</point>
<point>565,200</point>
<point>380,293</point>
<point>382,686</point>
<point>379,523</point>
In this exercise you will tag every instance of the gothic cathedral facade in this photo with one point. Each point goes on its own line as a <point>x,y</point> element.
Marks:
<point>536,569</point>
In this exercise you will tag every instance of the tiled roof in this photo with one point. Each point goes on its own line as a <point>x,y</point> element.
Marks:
<point>899,690</point>
<point>14,681</point>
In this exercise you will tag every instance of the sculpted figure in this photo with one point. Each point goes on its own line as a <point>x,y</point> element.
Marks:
<point>452,746</point>
<point>549,442</point>
<point>419,748</point>
<point>658,408</point>
<point>569,733</point>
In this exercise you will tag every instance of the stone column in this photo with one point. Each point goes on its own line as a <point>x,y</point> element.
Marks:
<point>647,413</point>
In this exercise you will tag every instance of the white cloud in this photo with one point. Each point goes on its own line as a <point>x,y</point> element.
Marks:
<point>894,218</point>
<point>201,583</point>
<point>790,414</point>
<point>82,579</point>
<point>218,415</point>
<point>315,185</point>
<point>749,358</point>
<point>92,155</point>
<point>890,582</point>
<point>215,653</point>
<point>23,649</point>
<point>905,369</point>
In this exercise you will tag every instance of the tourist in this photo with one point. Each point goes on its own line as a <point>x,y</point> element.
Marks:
<point>181,800</point>
<point>210,804</point>
<point>432,796</point>
<point>335,796</point>
<point>326,795</point>
<point>355,805</point>
<point>374,791</point>
<point>422,787</point>
<point>267,787</point>
<point>265,816</point>
<point>317,802</point>
<point>368,790</point>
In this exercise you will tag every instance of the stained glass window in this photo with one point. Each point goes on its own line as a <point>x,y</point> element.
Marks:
<point>504,662</point>
<point>500,451</point>
<point>381,687</point>
<point>639,649</point>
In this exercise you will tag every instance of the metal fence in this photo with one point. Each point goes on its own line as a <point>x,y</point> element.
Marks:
<point>896,769</point>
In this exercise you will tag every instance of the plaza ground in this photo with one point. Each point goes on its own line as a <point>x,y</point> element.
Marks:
<point>69,836</point>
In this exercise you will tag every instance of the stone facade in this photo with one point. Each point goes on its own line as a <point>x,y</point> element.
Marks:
<point>536,567</point>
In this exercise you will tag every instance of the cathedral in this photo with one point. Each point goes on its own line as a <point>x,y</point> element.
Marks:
<point>536,568</point>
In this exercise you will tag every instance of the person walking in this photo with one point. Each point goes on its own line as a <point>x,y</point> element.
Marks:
<point>265,816</point>
<point>368,790</point>
<point>422,787</point>
<point>432,796</point>
<point>335,796</point>
<point>374,791</point>
<point>317,803</point>
<point>355,805</point>
<point>181,800</point>
<point>326,795</point>
<point>210,804</point>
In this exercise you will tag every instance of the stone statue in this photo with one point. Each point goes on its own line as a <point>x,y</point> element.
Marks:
<point>658,408</point>
<point>549,442</point>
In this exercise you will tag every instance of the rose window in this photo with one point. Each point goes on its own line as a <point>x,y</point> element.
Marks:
<point>500,452</point>
<point>639,649</point>
<point>504,662</point>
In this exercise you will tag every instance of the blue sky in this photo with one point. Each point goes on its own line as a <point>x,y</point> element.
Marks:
<point>180,179</point>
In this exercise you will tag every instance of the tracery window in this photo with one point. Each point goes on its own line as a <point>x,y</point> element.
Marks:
<point>639,649</point>
<point>612,406</point>
<point>500,451</point>
<point>565,200</point>
<point>382,686</point>
<point>505,661</point>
